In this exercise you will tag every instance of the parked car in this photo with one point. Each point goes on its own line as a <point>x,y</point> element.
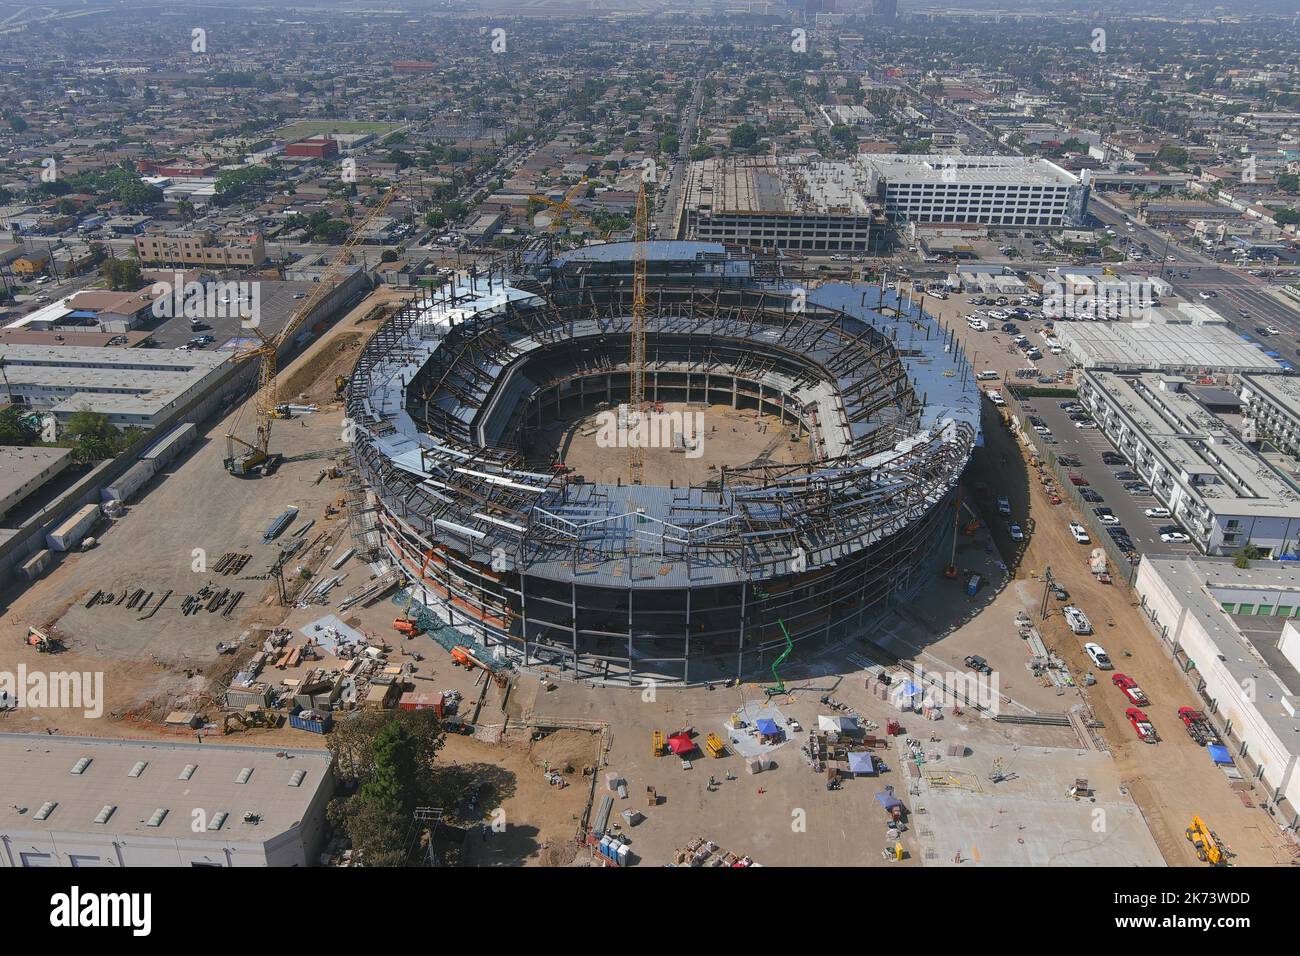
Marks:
<point>1098,655</point>
<point>1004,505</point>
<point>1090,496</point>
<point>1080,533</point>
<point>1017,534</point>
<point>1127,476</point>
<point>1157,512</point>
<point>1137,488</point>
<point>1113,458</point>
<point>1105,516</point>
<point>1077,479</point>
<point>978,664</point>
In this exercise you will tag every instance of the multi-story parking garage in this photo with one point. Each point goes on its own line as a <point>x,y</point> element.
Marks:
<point>835,425</point>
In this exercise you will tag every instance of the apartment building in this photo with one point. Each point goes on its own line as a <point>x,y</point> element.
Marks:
<point>195,247</point>
<point>1224,494</point>
<point>1271,404</point>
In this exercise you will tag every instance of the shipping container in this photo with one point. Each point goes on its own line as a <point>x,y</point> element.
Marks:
<point>69,534</point>
<point>171,444</point>
<point>131,481</point>
<point>419,700</point>
<point>35,566</point>
<point>316,724</point>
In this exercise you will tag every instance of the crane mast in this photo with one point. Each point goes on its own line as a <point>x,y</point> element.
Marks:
<point>636,402</point>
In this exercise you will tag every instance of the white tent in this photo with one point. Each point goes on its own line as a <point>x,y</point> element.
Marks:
<point>839,725</point>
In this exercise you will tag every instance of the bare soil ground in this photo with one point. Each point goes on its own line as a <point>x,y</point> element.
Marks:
<point>729,437</point>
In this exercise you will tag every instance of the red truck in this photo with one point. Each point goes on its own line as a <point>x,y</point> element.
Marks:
<point>1198,726</point>
<point>1131,689</point>
<point>1142,726</point>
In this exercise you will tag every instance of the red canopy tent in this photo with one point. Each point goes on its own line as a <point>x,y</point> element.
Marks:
<point>680,744</point>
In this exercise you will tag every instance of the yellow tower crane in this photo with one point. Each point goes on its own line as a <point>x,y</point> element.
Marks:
<point>636,401</point>
<point>256,454</point>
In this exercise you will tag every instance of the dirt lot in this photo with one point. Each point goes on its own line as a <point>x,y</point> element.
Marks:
<point>729,437</point>
<point>1171,780</point>
<point>168,541</point>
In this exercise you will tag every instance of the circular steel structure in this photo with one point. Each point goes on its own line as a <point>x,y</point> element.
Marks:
<point>525,562</point>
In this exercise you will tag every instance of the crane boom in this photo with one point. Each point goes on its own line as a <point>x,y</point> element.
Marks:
<point>267,402</point>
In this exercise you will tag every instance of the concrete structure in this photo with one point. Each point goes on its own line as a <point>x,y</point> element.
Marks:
<point>84,801</point>
<point>783,203</point>
<point>1170,340</point>
<point>202,248</point>
<point>988,190</point>
<point>1229,628</point>
<point>131,386</point>
<point>1223,494</point>
<point>23,470</point>
<point>1272,408</point>
<point>681,584</point>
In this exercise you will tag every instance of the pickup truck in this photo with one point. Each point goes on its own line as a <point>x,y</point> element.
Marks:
<point>1131,689</point>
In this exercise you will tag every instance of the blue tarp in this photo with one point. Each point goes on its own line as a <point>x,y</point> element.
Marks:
<point>862,763</point>
<point>767,727</point>
<point>887,800</point>
<point>1219,753</point>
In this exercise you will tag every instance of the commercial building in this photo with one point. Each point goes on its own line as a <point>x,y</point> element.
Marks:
<point>23,470</point>
<point>785,203</point>
<point>316,147</point>
<point>1178,340</point>
<point>238,250</point>
<point>88,801</point>
<point>1223,494</point>
<point>988,190</point>
<point>136,387</point>
<point>1232,631</point>
<point>1271,404</point>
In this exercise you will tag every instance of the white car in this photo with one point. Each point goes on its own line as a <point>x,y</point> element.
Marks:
<point>1016,533</point>
<point>1157,512</point>
<point>1004,505</point>
<point>1175,537</point>
<point>1085,424</point>
<point>1080,533</point>
<point>1270,330</point>
<point>1098,655</point>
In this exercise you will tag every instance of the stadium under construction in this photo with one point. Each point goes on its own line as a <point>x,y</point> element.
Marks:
<point>818,489</point>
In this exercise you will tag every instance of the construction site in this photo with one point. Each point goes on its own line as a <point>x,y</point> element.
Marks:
<point>811,644</point>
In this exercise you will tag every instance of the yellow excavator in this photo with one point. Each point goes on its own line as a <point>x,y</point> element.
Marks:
<point>1208,848</point>
<point>256,458</point>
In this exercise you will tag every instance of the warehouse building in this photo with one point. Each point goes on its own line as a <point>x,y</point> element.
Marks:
<point>87,801</point>
<point>138,387</point>
<point>1218,489</point>
<point>1178,341</point>
<point>1231,630</point>
<point>23,470</point>
<point>985,190</point>
<point>1272,408</point>
<point>785,202</point>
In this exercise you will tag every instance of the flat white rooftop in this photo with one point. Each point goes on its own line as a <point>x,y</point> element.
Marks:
<point>990,170</point>
<point>1182,344</point>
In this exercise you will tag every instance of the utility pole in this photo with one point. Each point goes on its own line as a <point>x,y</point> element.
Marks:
<point>1048,582</point>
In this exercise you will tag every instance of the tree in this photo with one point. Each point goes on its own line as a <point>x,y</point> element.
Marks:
<point>123,275</point>
<point>13,430</point>
<point>744,136</point>
<point>389,757</point>
<point>91,437</point>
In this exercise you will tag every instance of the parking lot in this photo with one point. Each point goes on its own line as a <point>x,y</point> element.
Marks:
<point>1088,445</point>
<point>276,300</point>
